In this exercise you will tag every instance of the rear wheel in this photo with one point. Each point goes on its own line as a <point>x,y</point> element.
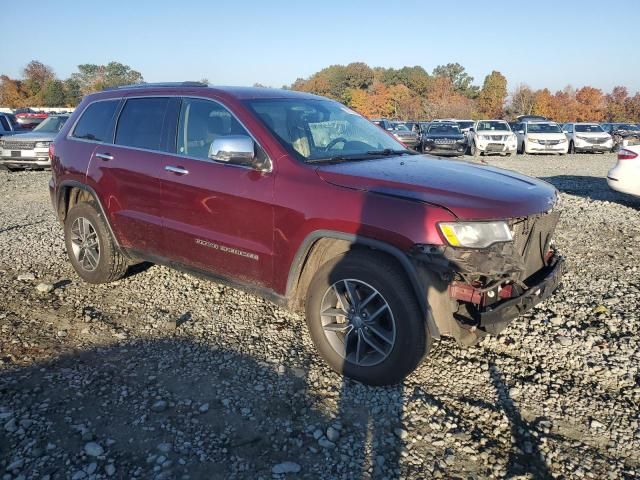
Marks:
<point>91,249</point>
<point>365,320</point>
<point>474,149</point>
<point>572,147</point>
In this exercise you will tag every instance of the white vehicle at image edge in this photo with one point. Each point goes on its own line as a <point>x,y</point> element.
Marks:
<point>587,137</point>
<point>541,137</point>
<point>625,175</point>
<point>492,136</point>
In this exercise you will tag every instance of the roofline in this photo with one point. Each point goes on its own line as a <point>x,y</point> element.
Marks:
<point>158,85</point>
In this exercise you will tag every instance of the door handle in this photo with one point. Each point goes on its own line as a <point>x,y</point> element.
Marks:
<point>104,156</point>
<point>176,170</point>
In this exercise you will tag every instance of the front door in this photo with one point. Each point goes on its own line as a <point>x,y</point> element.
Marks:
<point>217,217</point>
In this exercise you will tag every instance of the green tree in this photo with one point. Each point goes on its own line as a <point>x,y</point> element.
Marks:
<point>492,96</point>
<point>72,92</point>
<point>53,94</point>
<point>462,82</point>
<point>93,78</point>
<point>36,74</point>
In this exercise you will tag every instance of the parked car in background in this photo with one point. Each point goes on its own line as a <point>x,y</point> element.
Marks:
<point>444,138</point>
<point>383,123</point>
<point>587,137</point>
<point>31,150</point>
<point>9,125</point>
<point>28,118</point>
<point>402,133</point>
<point>420,128</point>
<point>620,132</point>
<point>531,118</point>
<point>541,137</point>
<point>492,136</point>
<point>382,249</point>
<point>625,175</point>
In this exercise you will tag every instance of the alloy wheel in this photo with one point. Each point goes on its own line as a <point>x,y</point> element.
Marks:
<point>358,322</point>
<point>85,244</point>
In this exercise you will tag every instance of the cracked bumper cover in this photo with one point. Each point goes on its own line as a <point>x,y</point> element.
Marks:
<point>495,318</point>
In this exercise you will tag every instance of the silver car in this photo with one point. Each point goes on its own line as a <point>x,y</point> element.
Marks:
<point>30,150</point>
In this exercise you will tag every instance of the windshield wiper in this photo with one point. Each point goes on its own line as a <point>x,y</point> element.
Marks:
<point>388,152</point>
<point>338,158</point>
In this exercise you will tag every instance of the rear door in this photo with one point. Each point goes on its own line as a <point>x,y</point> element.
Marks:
<point>218,217</point>
<point>130,171</point>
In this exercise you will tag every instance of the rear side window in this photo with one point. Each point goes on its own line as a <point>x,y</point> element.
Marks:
<point>4,124</point>
<point>141,123</point>
<point>95,122</point>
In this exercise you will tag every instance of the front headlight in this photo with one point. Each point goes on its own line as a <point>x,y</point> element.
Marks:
<point>42,144</point>
<point>562,140</point>
<point>475,234</point>
<point>581,138</point>
<point>533,140</point>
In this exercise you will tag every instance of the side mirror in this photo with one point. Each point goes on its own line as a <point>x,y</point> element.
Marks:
<point>472,129</point>
<point>237,150</point>
<point>521,132</point>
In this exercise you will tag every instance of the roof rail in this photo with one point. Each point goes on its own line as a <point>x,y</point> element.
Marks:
<point>160,84</point>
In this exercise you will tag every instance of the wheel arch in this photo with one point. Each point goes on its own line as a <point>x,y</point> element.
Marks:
<point>71,192</point>
<point>322,245</point>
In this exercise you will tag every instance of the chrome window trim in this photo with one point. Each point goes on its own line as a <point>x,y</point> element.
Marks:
<point>173,154</point>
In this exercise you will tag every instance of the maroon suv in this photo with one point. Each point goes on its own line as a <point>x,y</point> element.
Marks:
<point>304,201</point>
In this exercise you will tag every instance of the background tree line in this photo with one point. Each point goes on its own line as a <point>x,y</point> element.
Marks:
<point>40,87</point>
<point>405,93</point>
<point>449,91</point>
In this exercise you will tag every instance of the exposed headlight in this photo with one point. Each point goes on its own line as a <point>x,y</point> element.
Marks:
<point>582,138</point>
<point>562,140</point>
<point>462,140</point>
<point>533,140</point>
<point>475,234</point>
<point>42,144</point>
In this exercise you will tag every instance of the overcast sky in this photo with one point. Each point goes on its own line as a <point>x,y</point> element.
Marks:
<point>542,43</point>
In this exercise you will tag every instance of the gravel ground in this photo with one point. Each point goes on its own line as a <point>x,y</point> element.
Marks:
<point>162,375</point>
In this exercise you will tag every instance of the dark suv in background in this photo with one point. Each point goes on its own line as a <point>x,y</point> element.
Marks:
<point>302,200</point>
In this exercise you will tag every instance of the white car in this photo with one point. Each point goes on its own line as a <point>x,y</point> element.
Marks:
<point>492,136</point>
<point>625,175</point>
<point>541,137</point>
<point>587,137</point>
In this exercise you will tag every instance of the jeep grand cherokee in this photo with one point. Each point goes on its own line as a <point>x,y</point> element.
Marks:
<point>304,201</point>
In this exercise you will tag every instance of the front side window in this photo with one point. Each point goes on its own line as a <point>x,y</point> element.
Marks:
<point>95,122</point>
<point>141,122</point>
<point>322,129</point>
<point>201,122</point>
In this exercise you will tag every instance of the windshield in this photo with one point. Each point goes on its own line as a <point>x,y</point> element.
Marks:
<point>447,129</point>
<point>543,128</point>
<point>465,124</point>
<point>51,125</point>
<point>589,128</point>
<point>322,129</point>
<point>401,126</point>
<point>493,125</point>
<point>626,126</point>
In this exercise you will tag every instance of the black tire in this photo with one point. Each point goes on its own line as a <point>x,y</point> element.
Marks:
<point>572,147</point>
<point>520,149</point>
<point>412,341</point>
<point>474,149</point>
<point>111,264</point>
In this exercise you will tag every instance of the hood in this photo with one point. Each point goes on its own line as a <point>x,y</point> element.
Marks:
<point>547,135</point>
<point>592,134</point>
<point>404,133</point>
<point>453,136</point>
<point>468,190</point>
<point>35,136</point>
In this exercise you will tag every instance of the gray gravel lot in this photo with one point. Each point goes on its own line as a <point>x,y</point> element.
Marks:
<point>162,375</point>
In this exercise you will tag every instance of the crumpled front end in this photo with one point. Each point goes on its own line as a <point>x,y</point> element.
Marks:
<point>489,287</point>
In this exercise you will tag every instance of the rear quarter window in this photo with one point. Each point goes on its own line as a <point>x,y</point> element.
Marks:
<point>95,121</point>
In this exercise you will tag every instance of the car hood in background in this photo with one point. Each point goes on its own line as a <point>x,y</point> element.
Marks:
<point>470,191</point>
<point>35,136</point>
<point>452,136</point>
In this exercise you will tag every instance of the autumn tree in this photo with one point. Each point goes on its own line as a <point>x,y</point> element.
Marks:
<point>522,99</point>
<point>462,82</point>
<point>11,93</point>
<point>543,103</point>
<point>590,105</point>
<point>36,75</point>
<point>492,96</point>
<point>405,102</point>
<point>616,104</point>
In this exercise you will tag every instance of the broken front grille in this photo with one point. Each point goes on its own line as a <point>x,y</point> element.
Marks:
<point>532,238</point>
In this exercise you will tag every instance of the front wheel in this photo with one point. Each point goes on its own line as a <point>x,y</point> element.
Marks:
<point>474,149</point>
<point>364,319</point>
<point>572,148</point>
